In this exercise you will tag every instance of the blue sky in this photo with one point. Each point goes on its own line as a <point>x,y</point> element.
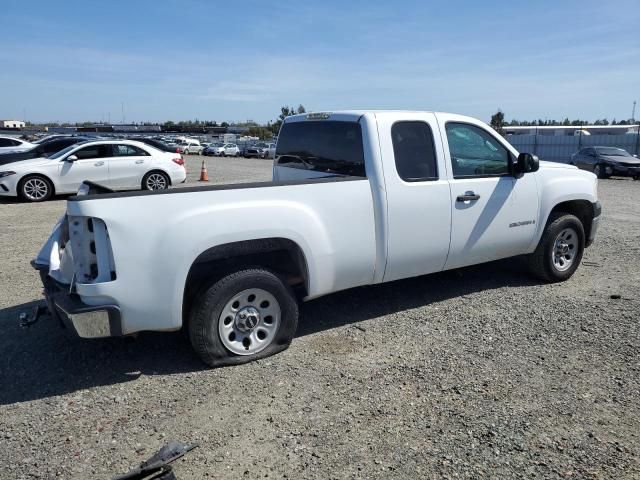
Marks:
<point>187,59</point>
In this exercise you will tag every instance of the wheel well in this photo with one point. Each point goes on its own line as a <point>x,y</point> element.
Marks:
<point>583,209</point>
<point>30,175</point>
<point>156,170</point>
<point>280,255</point>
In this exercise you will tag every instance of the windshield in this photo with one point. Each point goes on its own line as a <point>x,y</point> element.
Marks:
<point>613,152</point>
<point>328,146</point>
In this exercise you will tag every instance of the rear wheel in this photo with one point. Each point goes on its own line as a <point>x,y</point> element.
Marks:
<point>599,172</point>
<point>155,181</point>
<point>247,315</point>
<point>560,249</point>
<point>35,188</point>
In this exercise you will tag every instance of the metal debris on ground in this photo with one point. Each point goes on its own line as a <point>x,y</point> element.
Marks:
<point>158,464</point>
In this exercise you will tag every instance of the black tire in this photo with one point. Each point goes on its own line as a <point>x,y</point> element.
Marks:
<point>636,177</point>
<point>27,188</point>
<point>207,308</point>
<point>541,261</point>
<point>598,170</point>
<point>146,183</point>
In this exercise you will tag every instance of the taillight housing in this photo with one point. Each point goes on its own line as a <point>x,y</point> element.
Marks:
<point>178,160</point>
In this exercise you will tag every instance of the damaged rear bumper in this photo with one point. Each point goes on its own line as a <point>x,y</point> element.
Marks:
<point>87,321</point>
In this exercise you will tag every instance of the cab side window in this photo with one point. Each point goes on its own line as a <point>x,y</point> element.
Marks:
<point>414,151</point>
<point>475,152</point>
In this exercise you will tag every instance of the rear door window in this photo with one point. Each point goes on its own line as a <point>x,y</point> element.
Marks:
<point>323,146</point>
<point>414,151</point>
<point>128,151</point>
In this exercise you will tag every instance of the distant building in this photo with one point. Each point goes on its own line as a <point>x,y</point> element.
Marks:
<point>11,124</point>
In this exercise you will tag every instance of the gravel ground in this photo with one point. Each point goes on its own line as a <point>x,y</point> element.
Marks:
<point>474,373</point>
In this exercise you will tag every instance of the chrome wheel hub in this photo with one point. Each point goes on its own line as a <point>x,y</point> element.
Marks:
<point>35,189</point>
<point>156,182</point>
<point>249,321</point>
<point>565,248</point>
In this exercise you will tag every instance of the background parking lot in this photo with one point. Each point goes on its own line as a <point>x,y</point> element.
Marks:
<point>479,372</point>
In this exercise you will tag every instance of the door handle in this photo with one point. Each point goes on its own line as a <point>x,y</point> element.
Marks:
<point>467,196</point>
<point>139,161</point>
<point>99,164</point>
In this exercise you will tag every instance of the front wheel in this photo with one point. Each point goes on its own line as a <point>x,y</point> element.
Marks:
<point>155,181</point>
<point>35,188</point>
<point>560,249</point>
<point>245,316</point>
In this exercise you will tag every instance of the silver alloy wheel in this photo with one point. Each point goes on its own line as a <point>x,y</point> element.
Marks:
<point>249,321</point>
<point>35,189</point>
<point>565,249</point>
<point>156,181</point>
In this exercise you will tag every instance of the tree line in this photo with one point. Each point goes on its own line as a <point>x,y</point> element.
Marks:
<point>498,122</point>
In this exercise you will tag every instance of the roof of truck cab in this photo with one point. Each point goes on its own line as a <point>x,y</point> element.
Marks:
<point>354,115</point>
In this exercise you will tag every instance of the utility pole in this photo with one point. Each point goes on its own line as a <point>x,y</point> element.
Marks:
<point>122,112</point>
<point>633,113</point>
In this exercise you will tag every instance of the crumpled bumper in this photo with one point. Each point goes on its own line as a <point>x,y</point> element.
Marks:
<point>86,321</point>
<point>58,279</point>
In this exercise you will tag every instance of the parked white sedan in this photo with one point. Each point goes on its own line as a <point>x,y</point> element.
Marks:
<point>116,164</point>
<point>227,150</point>
<point>12,144</point>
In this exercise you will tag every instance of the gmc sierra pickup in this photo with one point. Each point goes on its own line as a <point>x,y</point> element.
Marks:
<point>357,198</point>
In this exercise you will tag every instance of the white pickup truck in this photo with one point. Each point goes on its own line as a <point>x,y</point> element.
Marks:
<point>357,198</point>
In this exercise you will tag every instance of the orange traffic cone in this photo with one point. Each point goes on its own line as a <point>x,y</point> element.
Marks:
<point>204,175</point>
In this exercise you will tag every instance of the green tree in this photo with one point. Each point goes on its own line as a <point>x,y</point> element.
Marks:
<point>285,111</point>
<point>497,121</point>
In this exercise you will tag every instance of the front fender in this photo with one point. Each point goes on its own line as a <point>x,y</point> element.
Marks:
<point>558,186</point>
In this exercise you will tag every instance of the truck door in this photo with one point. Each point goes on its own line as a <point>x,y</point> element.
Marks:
<point>494,214</point>
<point>418,197</point>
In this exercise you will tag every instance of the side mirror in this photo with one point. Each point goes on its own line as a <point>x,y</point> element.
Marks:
<point>527,163</point>
<point>71,158</point>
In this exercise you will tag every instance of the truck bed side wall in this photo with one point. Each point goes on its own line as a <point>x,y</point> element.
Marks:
<point>156,239</point>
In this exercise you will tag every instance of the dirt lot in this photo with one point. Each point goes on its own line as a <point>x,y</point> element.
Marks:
<point>474,373</point>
